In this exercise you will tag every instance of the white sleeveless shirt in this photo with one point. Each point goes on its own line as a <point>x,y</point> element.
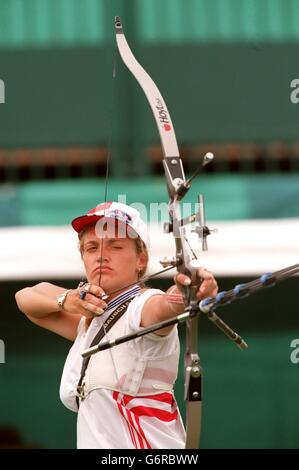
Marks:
<point>145,368</point>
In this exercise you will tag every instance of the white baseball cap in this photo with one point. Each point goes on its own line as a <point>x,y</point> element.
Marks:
<point>118,212</point>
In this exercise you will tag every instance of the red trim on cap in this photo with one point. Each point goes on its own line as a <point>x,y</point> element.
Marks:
<point>84,221</point>
<point>79,223</point>
<point>100,207</point>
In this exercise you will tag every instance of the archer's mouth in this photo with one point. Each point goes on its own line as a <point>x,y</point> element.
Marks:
<point>102,270</point>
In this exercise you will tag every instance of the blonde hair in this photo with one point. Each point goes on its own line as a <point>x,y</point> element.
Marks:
<point>140,248</point>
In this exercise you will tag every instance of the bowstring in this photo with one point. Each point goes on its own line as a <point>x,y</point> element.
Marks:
<point>108,161</point>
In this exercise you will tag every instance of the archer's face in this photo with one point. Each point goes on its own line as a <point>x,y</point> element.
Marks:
<point>110,262</point>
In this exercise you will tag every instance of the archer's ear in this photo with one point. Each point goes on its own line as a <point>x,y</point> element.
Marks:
<point>143,260</point>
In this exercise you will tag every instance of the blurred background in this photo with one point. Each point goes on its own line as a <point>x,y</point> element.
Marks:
<point>228,71</point>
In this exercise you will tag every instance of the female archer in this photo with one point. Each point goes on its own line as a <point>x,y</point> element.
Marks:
<point>123,396</point>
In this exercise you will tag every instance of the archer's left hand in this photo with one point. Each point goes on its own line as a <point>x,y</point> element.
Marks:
<point>207,288</point>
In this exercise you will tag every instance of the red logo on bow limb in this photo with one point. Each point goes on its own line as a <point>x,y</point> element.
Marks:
<point>167,127</point>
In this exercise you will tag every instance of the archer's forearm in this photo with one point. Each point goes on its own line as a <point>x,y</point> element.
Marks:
<point>40,300</point>
<point>162,307</point>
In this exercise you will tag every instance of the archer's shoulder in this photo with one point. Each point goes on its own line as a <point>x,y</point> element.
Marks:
<point>150,291</point>
<point>146,293</point>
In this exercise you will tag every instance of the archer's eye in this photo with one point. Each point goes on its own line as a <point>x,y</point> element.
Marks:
<point>91,249</point>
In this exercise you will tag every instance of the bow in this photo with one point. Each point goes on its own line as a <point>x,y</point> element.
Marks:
<point>185,260</point>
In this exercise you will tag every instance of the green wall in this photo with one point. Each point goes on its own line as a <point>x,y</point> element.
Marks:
<point>45,23</point>
<point>217,92</point>
<point>250,397</point>
<point>228,197</point>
